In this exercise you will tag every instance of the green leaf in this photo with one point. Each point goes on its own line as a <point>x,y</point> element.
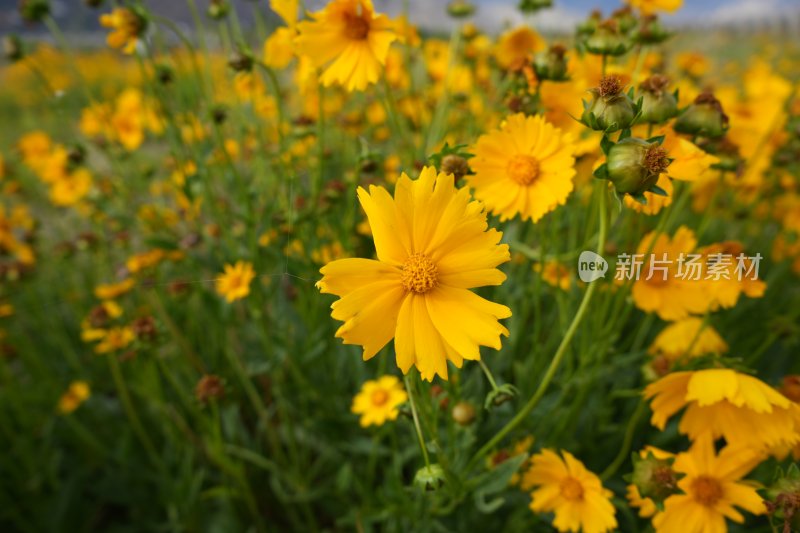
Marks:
<point>602,172</point>
<point>606,144</point>
<point>655,189</point>
<point>624,134</point>
<point>496,481</point>
<point>639,198</point>
<point>658,139</point>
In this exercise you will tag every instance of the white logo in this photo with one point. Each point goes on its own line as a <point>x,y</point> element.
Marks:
<point>591,266</point>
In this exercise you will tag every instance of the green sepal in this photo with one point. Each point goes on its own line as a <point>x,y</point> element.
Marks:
<point>602,172</point>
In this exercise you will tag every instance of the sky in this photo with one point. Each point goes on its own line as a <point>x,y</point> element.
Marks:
<point>492,15</point>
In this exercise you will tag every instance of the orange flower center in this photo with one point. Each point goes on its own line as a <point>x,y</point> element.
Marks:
<point>379,397</point>
<point>523,169</point>
<point>356,27</point>
<point>571,489</point>
<point>706,490</point>
<point>419,274</point>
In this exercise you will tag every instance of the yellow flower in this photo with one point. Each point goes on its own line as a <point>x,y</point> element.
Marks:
<point>525,167</point>
<point>71,189</point>
<point>653,6</point>
<point>712,489</point>
<point>554,274</point>
<point>433,246</point>
<point>126,27</point>
<point>115,339</point>
<point>573,493</point>
<point>725,289</point>
<point>141,261</point>
<point>378,400</point>
<point>689,337</point>
<point>666,293</point>
<point>721,402</point>
<point>77,393</point>
<point>113,290</point>
<point>234,283</point>
<point>287,9</point>
<point>693,63</point>
<point>350,39</point>
<point>690,162</point>
<point>279,48</point>
<point>517,45</point>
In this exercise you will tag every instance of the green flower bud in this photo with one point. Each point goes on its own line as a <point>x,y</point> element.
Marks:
<point>552,64</point>
<point>726,151</point>
<point>532,6</point>
<point>463,413</point>
<point>704,117</point>
<point>633,165</point>
<point>456,165</point>
<point>34,10</point>
<point>218,9</point>
<point>654,477</point>
<point>783,499</point>
<point>607,40</point>
<point>650,31</point>
<point>658,105</point>
<point>12,48</point>
<point>241,61</point>
<point>610,109</point>
<point>589,26</point>
<point>625,19</point>
<point>430,478</point>
<point>460,8</point>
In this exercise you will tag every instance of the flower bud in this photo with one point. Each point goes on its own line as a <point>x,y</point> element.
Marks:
<point>634,165</point>
<point>658,105</point>
<point>210,387</point>
<point>650,31</point>
<point>34,10</point>
<point>463,413</point>
<point>654,477</point>
<point>532,6</point>
<point>607,40</point>
<point>12,48</point>
<point>241,61</point>
<point>783,499</point>
<point>589,26</point>
<point>704,117</point>
<point>460,8</point>
<point>625,19</point>
<point>727,152</point>
<point>218,9</point>
<point>611,109</point>
<point>164,74</point>
<point>551,64</point>
<point>430,478</point>
<point>455,165</point>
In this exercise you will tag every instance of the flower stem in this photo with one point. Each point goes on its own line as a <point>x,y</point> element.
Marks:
<point>488,375</point>
<point>560,352</point>
<point>415,416</point>
<point>619,460</point>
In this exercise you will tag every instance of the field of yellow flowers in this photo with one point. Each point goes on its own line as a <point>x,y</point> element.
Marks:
<point>319,270</point>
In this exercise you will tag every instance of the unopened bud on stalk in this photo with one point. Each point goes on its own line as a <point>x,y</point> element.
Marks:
<point>210,387</point>
<point>650,31</point>
<point>76,156</point>
<point>532,6</point>
<point>241,61</point>
<point>589,26</point>
<point>654,477</point>
<point>34,10</point>
<point>607,40</point>
<point>463,413</point>
<point>658,105</point>
<point>610,109</point>
<point>460,8</point>
<point>455,165</point>
<point>727,152</point>
<point>219,114</point>
<point>624,18</point>
<point>218,9</point>
<point>704,117</point>
<point>12,48</point>
<point>430,478</point>
<point>551,64</point>
<point>633,166</point>
<point>783,499</point>
<point>164,74</point>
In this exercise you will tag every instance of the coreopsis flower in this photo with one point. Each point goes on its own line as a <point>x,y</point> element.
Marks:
<point>114,339</point>
<point>518,45</point>
<point>126,25</point>
<point>712,489</point>
<point>350,40</point>
<point>660,286</point>
<point>562,485</point>
<point>77,393</point>
<point>234,283</point>
<point>114,290</point>
<point>555,274</point>
<point>653,477</point>
<point>652,6</point>
<point>377,401</point>
<point>433,246</point>
<point>730,278</point>
<point>525,168</point>
<point>71,189</point>
<point>686,338</point>
<point>721,402</point>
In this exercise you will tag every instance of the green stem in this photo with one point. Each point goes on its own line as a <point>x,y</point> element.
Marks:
<point>560,352</point>
<point>417,426</point>
<point>627,440</point>
<point>488,375</point>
